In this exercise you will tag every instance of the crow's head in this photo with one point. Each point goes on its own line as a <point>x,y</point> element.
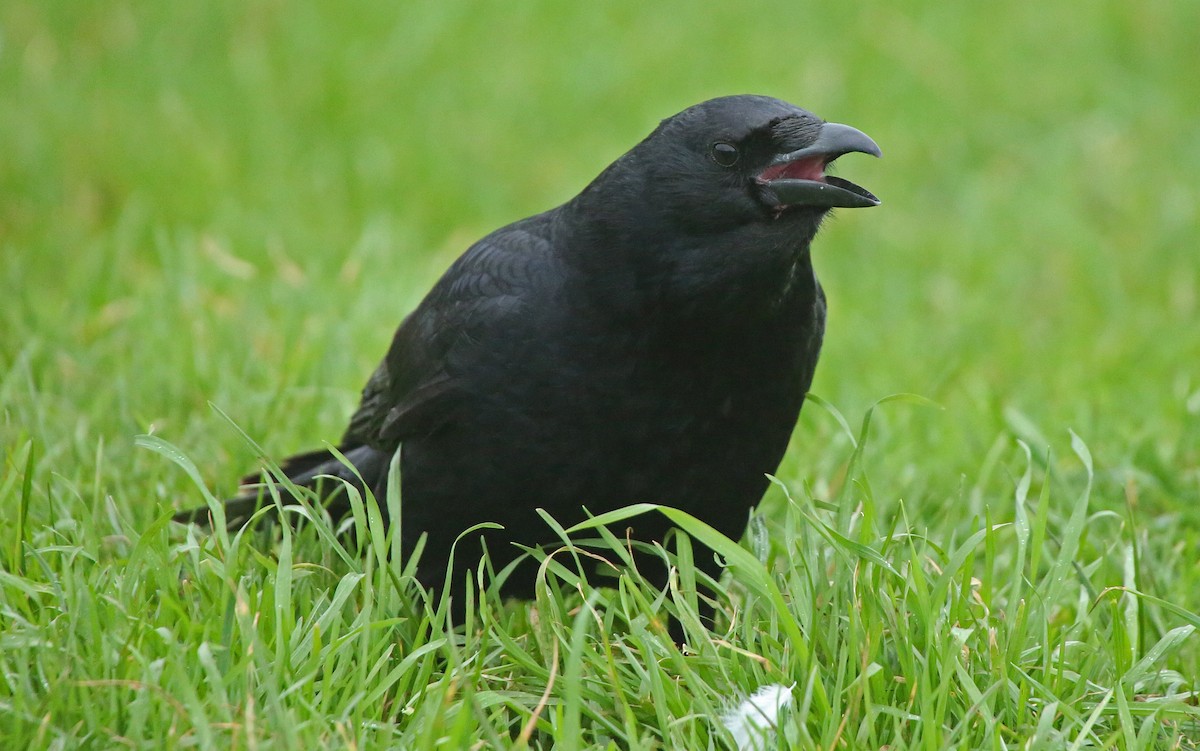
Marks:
<point>738,160</point>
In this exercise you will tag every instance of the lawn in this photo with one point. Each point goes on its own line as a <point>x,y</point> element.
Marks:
<point>213,216</point>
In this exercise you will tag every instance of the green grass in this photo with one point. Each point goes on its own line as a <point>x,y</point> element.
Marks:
<point>234,203</point>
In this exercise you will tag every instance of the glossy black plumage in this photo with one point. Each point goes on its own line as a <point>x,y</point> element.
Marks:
<point>651,340</point>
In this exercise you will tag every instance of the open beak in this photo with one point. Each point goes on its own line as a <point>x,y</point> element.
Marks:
<point>798,178</point>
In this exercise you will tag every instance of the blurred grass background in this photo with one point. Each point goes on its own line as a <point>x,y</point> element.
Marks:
<point>237,202</point>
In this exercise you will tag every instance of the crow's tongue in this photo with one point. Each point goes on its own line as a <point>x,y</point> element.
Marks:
<point>808,168</point>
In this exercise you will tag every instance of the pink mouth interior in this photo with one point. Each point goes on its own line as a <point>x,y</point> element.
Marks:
<point>809,168</point>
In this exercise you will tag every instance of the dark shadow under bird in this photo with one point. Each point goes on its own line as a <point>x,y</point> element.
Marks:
<point>650,340</point>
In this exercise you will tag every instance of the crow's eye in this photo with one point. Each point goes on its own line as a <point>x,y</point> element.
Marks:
<point>724,154</point>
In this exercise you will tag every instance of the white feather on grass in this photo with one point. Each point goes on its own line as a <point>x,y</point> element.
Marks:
<point>754,720</point>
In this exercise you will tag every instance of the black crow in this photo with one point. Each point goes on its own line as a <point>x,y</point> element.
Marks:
<point>650,340</point>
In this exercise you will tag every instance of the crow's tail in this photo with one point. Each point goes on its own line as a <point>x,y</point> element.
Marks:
<point>310,470</point>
